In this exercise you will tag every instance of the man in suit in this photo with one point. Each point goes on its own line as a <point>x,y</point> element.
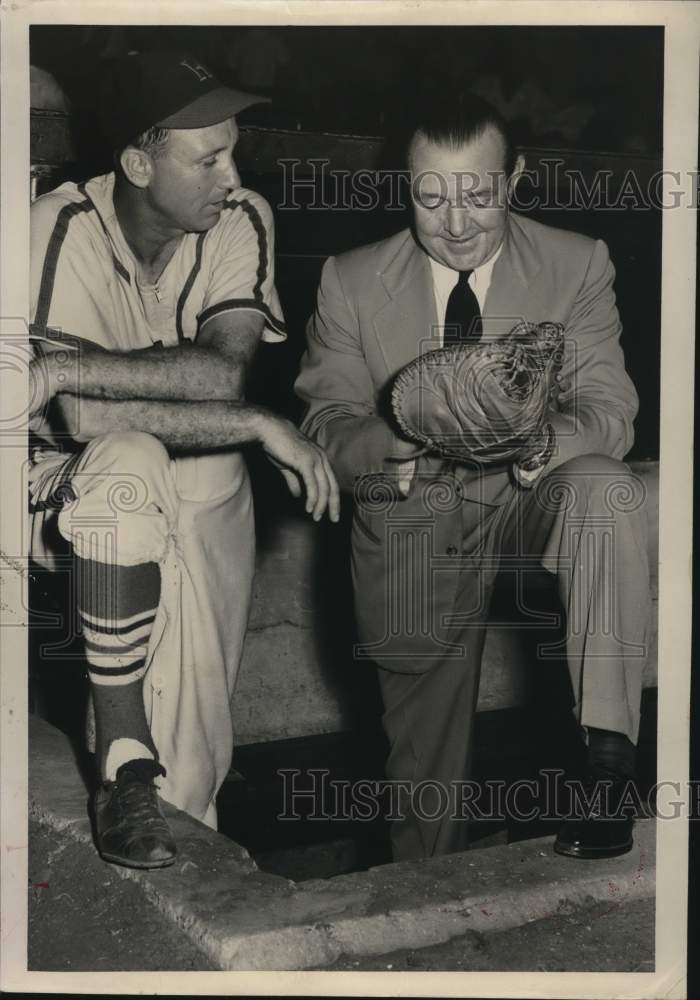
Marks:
<point>429,535</point>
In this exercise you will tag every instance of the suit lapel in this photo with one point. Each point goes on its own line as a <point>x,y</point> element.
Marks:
<point>509,298</point>
<point>406,322</point>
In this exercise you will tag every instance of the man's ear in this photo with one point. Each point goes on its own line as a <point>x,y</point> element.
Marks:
<point>517,173</point>
<point>137,166</point>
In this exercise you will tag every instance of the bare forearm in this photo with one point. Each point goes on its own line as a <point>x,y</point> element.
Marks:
<point>187,425</point>
<point>187,372</point>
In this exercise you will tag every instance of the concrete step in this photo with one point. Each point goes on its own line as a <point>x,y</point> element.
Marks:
<point>603,937</point>
<point>240,918</point>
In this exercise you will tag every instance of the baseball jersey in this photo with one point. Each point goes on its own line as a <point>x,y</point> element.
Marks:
<point>84,277</point>
<point>85,282</point>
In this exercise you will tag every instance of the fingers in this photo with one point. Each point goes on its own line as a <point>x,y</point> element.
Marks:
<point>333,491</point>
<point>316,484</point>
<point>292,481</point>
<point>321,488</point>
<point>307,470</point>
<point>328,494</point>
<point>301,461</point>
<point>320,485</point>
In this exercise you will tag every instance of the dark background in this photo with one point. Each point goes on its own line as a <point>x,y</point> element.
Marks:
<point>361,79</point>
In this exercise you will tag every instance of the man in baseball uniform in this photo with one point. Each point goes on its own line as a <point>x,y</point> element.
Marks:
<point>151,288</point>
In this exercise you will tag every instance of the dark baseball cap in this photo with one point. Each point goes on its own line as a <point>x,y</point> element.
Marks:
<point>168,88</point>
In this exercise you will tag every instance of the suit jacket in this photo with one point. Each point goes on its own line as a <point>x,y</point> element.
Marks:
<point>375,313</point>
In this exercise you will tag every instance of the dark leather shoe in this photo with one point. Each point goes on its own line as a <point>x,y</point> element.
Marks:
<point>129,825</point>
<point>602,827</point>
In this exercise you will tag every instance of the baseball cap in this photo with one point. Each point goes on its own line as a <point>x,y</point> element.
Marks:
<point>167,87</point>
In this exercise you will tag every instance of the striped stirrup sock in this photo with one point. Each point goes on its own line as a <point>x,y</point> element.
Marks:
<point>116,648</point>
<point>116,608</point>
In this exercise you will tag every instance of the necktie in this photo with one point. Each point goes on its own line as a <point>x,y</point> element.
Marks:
<point>463,316</point>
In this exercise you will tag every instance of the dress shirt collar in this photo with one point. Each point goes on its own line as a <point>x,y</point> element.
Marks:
<point>445,278</point>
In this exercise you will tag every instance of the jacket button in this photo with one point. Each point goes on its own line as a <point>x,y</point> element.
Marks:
<point>451,550</point>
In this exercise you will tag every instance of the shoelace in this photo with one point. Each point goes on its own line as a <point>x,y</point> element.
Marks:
<point>140,801</point>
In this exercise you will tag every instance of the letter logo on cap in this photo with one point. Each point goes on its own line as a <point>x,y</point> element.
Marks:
<point>199,71</point>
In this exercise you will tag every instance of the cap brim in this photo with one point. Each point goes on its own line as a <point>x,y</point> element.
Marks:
<point>211,108</point>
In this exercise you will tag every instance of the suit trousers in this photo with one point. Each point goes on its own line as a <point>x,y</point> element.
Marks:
<point>585,524</point>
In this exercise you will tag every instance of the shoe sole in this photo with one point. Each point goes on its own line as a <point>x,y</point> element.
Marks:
<point>592,853</point>
<point>115,859</point>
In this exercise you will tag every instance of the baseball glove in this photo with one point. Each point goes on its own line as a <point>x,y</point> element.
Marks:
<point>484,402</point>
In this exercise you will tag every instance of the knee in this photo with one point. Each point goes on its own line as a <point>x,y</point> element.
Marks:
<point>129,469</point>
<point>132,454</point>
<point>119,477</point>
<point>601,483</point>
<point>597,467</point>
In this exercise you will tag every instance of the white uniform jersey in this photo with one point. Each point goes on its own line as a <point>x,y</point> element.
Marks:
<point>85,282</point>
<point>84,275</point>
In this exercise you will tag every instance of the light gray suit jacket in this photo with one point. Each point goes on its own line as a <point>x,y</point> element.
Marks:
<point>376,312</point>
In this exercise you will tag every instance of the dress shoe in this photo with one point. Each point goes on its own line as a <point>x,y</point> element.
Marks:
<point>129,825</point>
<point>604,829</point>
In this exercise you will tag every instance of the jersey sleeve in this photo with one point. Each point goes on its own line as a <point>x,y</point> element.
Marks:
<point>242,270</point>
<point>61,300</point>
<point>57,291</point>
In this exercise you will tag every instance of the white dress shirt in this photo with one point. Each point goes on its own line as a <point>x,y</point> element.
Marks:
<point>444,280</point>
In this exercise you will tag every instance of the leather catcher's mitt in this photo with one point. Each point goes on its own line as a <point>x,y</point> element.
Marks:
<point>483,401</point>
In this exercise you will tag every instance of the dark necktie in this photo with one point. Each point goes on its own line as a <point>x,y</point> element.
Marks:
<point>463,316</point>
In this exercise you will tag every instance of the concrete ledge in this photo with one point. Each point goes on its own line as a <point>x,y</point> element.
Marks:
<point>244,919</point>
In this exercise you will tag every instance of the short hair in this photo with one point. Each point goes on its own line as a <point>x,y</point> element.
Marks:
<point>456,118</point>
<point>152,140</point>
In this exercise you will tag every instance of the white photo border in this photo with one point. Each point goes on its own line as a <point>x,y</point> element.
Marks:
<point>682,34</point>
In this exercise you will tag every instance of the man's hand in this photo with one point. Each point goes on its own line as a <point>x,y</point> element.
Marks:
<point>480,401</point>
<point>404,450</point>
<point>301,461</point>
